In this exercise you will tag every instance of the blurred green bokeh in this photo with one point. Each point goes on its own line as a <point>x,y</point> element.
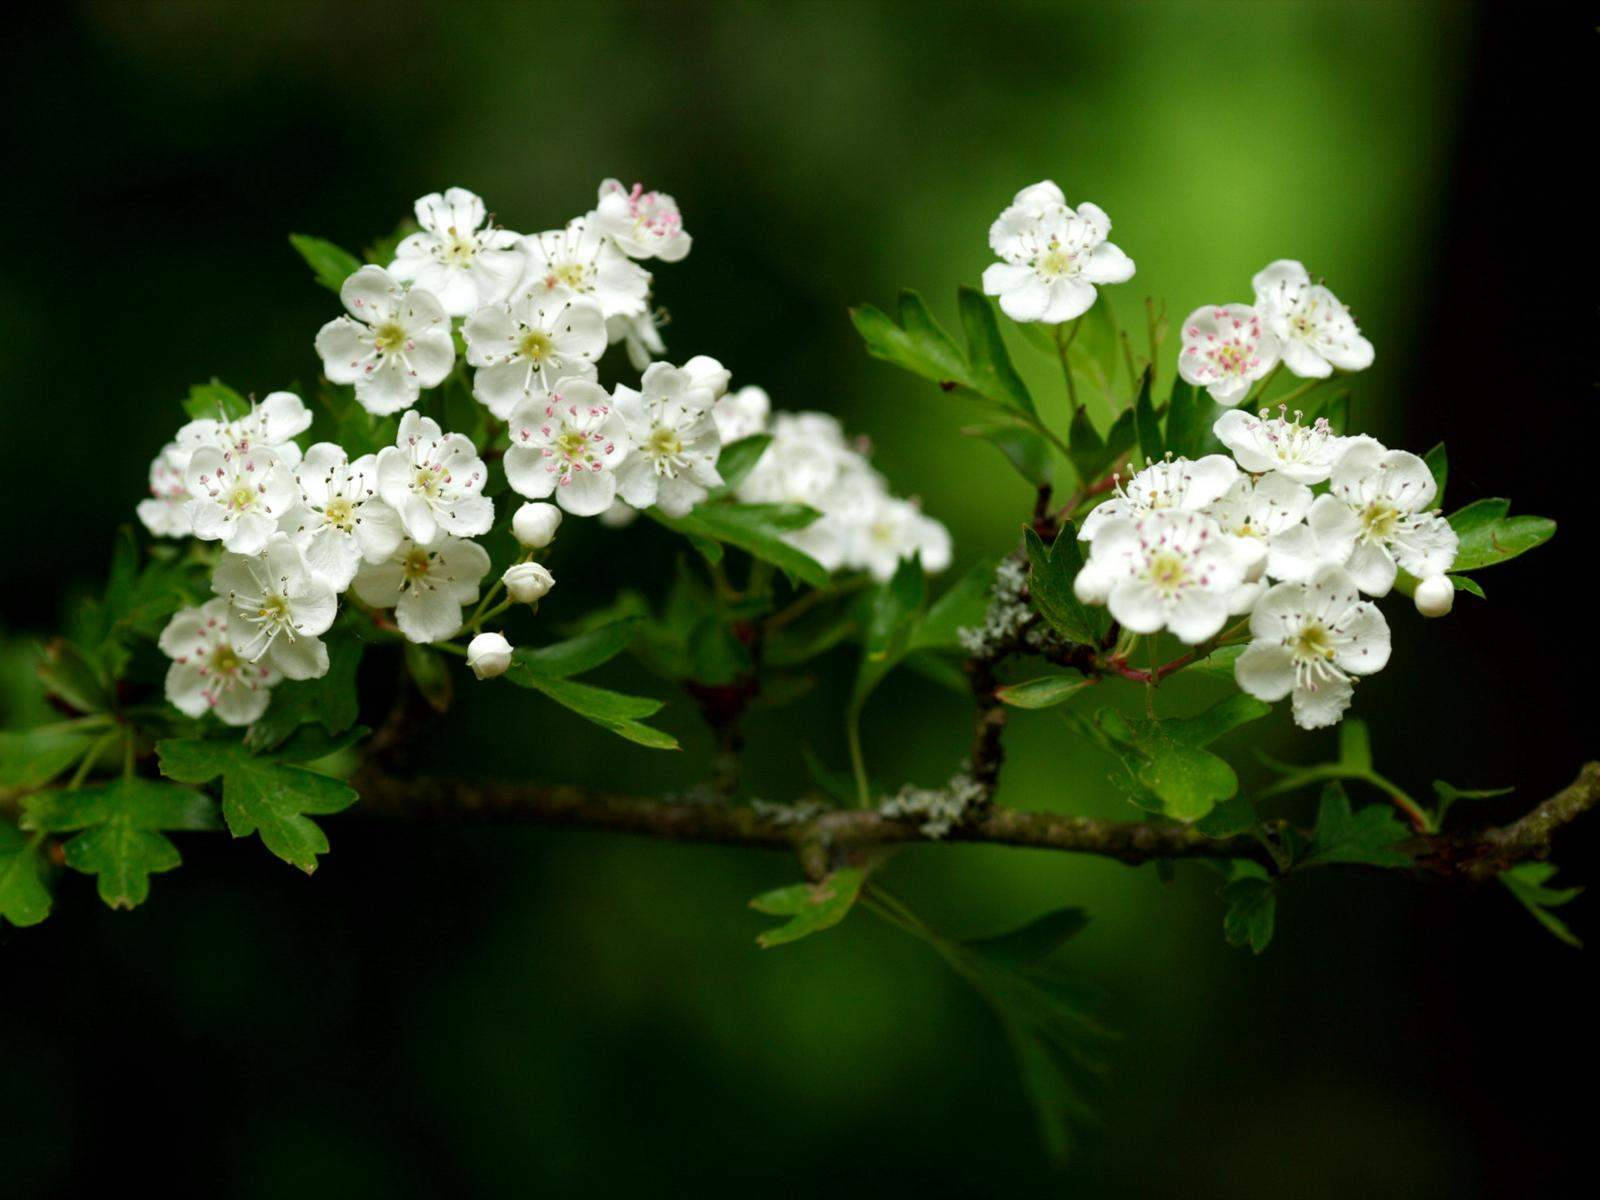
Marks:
<point>499,1011</point>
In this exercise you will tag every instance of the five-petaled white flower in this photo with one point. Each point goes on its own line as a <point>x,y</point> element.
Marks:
<point>340,520</point>
<point>456,257</point>
<point>1388,492</point>
<point>276,608</point>
<point>1309,639</point>
<point>644,224</point>
<point>893,529</point>
<point>1305,453</point>
<point>570,444</point>
<point>1052,256</point>
<point>1165,570</point>
<point>238,496</point>
<point>638,335</point>
<point>166,512</point>
<point>1187,485</point>
<point>394,343</point>
<point>434,480</point>
<point>583,260</point>
<point>207,674</point>
<point>1253,512</point>
<point>674,441</point>
<point>1316,333</point>
<point>522,347</point>
<point>1225,350</point>
<point>425,585</point>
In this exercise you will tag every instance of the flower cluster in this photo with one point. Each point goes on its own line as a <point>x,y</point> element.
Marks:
<point>1293,530</point>
<point>299,527</point>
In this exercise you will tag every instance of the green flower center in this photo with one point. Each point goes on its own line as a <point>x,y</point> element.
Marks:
<point>536,345</point>
<point>665,443</point>
<point>1313,642</point>
<point>242,497</point>
<point>339,514</point>
<point>274,608</point>
<point>1168,572</point>
<point>1379,521</point>
<point>415,564</point>
<point>389,337</point>
<point>570,443</point>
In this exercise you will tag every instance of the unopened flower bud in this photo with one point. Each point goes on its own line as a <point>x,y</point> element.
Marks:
<point>527,583</point>
<point>1092,586</point>
<point>1434,596</point>
<point>535,525</point>
<point>488,654</point>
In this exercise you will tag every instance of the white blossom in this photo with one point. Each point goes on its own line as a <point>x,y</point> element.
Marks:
<point>535,524</point>
<point>896,529</point>
<point>569,445</point>
<point>1325,538</point>
<point>394,343</point>
<point>276,608</point>
<point>674,441</point>
<point>341,521</point>
<point>166,512</point>
<point>1165,570</point>
<point>434,480</point>
<point>644,224</point>
<point>583,260</point>
<point>741,414</point>
<point>457,257</point>
<point>1316,333</point>
<point>425,585</point>
<point>489,655</point>
<point>1304,453</point>
<point>708,374</point>
<point>1225,350</point>
<point>1182,484</point>
<point>639,335</point>
<point>1389,492</point>
<point>1435,596</point>
<point>1309,639</point>
<point>1052,256</point>
<point>522,347</point>
<point>1252,512</point>
<point>528,583</point>
<point>238,496</point>
<point>207,674</point>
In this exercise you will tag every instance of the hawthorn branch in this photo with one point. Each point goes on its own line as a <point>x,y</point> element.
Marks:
<point>803,829</point>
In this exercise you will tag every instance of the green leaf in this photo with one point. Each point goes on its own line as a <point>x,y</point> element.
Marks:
<point>122,822</point>
<point>1094,455</point>
<point>810,907</point>
<point>758,530</point>
<point>1191,414</point>
<point>261,795</point>
<point>991,370</point>
<point>31,758</point>
<point>1439,467</point>
<point>961,606</point>
<point>1370,836</point>
<point>1448,794</point>
<point>896,608</point>
<point>615,711</point>
<point>329,264</point>
<point>739,458</point>
<point>69,674</point>
<point>1145,424</point>
<point>1488,536</point>
<point>1234,816</point>
<point>1219,663</point>
<point>330,700</point>
<point>215,401</point>
<point>1168,771</point>
<point>24,899</point>
<point>1045,692</point>
<point>431,673</point>
<point>576,655</point>
<point>1037,940</point>
<point>1526,881</point>
<point>1252,909</point>
<point>1050,577</point>
<point>1024,449</point>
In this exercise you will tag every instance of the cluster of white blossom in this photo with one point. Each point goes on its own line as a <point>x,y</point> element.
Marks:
<point>534,313</point>
<point>1293,530</point>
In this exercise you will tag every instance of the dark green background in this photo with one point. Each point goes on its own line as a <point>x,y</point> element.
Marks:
<point>445,1011</point>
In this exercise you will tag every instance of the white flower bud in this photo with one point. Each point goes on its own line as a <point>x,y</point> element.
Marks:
<point>527,583</point>
<point>535,524</point>
<point>1092,585</point>
<point>488,655</point>
<point>1434,596</point>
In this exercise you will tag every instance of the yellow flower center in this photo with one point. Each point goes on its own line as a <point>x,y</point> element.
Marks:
<point>1313,642</point>
<point>273,608</point>
<point>536,345</point>
<point>572,274</point>
<point>1055,262</point>
<point>427,480</point>
<point>1379,520</point>
<point>243,496</point>
<point>570,443</point>
<point>1168,572</point>
<point>459,251</point>
<point>665,443</point>
<point>339,513</point>
<point>389,337</point>
<point>415,564</point>
<point>225,660</point>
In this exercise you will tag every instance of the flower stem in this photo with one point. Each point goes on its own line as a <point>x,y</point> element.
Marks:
<point>1066,333</point>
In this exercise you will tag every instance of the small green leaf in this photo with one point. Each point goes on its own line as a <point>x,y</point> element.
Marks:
<point>1050,578</point>
<point>1191,414</point>
<point>31,758</point>
<point>329,700</point>
<point>896,608</point>
<point>588,650</point>
<point>961,606</point>
<point>990,363</point>
<point>1252,911</point>
<point>1488,536</point>
<point>1045,692</point>
<point>1233,816</point>
<point>1146,426</point>
<point>1448,794</point>
<point>622,714</point>
<point>1370,836</point>
<point>1037,940</point>
<point>1439,467</point>
<point>261,795</point>
<point>1094,455</point>
<point>215,401</point>
<point>739,458</point>
<point>431,673</point>
<point>757,529</point>
<point>329,264</point>
<point>1167,770</point>
<point>810,907</point>
<point>69,674</point>
<point>1526,881</point>
<point>1024,449</point>
<point>24,899</point>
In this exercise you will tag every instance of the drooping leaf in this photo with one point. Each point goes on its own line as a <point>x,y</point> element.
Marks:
<point>810,907</point>
<point>1038,939</point>
<point>1371,836</point>
<point>1050,578</point>
<point>120,831</point>
<point>1024,449</point>
<point>261,794</point>
<point>1044,692</point>
<point>31,758</point>
<point>1489,536</point>
<point>73,677</point>
<point>757,529</point>
<point>24,898</point>
<point>1526,881</point>
<point>329,264</point>
<point>618,712</point>
<point>1252,908</point>
<point>1093,454</point>
<point>574,656</point>
<point>896,608</point>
